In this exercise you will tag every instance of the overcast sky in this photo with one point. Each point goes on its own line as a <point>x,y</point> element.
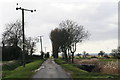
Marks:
<point>99,17</point>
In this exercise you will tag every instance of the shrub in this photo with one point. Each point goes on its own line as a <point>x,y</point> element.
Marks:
<point>94,57</point>
<point>106,56</point>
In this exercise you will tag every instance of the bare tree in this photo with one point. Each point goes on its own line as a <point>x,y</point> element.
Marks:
<point>76,33</point>
<point>10,40</point>
<point>101,53</point>
<point>12,34</point>
<point>84,54</point>
<point>30,44</point>
<point>66,37</point>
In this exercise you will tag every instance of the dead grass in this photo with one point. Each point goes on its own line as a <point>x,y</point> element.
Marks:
<point>86,61</point>
<point>111,68</point>
<point>107,67</point>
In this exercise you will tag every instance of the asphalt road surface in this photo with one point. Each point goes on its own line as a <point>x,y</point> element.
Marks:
<point>51,70</point>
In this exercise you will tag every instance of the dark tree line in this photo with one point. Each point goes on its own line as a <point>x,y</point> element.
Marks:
<point>12,42</point>
<point>65,38</point>
<point>116,53</point>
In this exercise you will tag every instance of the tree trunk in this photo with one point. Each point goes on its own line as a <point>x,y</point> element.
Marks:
<point>3,43</point>
<point>63,56</point>
<point>31,51</point>
<point>72,57</point>
<point>73,49</point>
<point>55,50</point>
<point>69,56</point>
<point>55,55</point>
<point>66,56</point>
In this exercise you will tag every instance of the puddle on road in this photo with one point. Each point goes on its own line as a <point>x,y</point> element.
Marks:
<point>42,67</point>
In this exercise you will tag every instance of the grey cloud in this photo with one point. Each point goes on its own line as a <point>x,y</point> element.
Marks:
<point>96,16</point>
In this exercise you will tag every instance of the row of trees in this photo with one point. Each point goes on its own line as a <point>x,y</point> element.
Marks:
<point>65,38</point>
<point>114,53</point>
<point>12,42</point>
<point>84,55</point>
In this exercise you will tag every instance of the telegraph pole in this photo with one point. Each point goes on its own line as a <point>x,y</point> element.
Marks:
<point>23,9</point>
<point>41,42</point>
<point>45,49</point>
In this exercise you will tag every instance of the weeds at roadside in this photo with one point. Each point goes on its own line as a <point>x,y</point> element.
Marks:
<point>79,73</point>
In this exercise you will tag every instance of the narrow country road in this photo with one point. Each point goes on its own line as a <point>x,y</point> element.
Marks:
<point>50,69</point>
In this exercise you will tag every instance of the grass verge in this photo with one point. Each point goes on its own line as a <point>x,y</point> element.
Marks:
<point>11,66</point>
<point>22,72</point>
<point>79,73</point>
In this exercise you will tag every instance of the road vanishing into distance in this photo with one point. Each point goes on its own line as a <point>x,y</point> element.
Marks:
<point>49,69</point>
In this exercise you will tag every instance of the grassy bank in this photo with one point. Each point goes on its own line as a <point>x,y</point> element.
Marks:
<point>79,73</point>
<point>10,66</point>
<point>21,72</point>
